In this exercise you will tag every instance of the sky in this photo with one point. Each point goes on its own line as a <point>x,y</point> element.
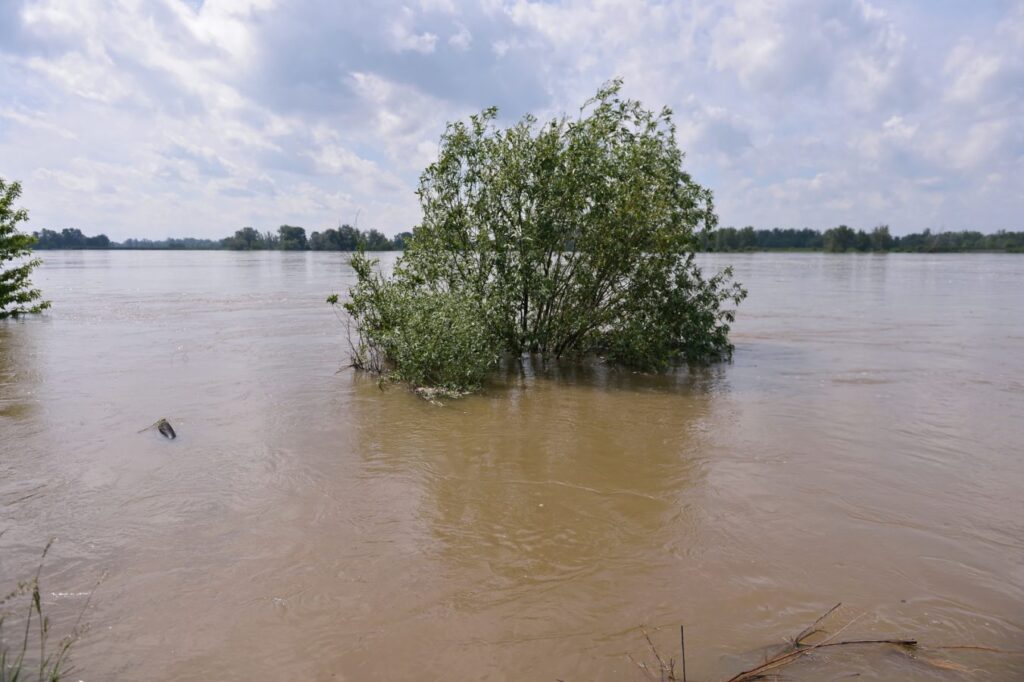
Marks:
<point>157,118</point>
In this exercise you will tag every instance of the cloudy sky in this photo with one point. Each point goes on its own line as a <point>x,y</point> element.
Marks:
<point>151,118</point>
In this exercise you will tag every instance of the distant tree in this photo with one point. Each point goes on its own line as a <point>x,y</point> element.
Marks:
<point>747,238</point>
<point>246,239</point>
<point>1006,241</point>
<point>17,297</point>
<point>292,238</point>
<point>840,239</point>
<point>69,238</point>
<point>72,238</point>
<point>725,239</point>
<point>881,240</point>
<point>317,241</point>
<point>862,241</point>
<point>190,243</point>
<point>915,241</point>
<point>375,240</point>
<point>349,238</point>
<point>811,239</point>
<point>47,239</point>
<point>344,238</point>
<point>401,241</point>
<point>200,244</point>
<point>843,238</point>
<point>100,241</point>
<point>958,241</point>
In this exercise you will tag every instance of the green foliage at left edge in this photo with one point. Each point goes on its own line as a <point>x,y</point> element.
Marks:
<point>17,297</point>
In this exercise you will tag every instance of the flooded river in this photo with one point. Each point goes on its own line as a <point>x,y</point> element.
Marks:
<point>865,446</point>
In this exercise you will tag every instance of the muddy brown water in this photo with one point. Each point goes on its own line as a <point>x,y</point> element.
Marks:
<point>865,446</point>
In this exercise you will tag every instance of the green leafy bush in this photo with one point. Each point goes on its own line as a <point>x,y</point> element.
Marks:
<point>571,238</point>
<point>427,338</point>
<point>17,297</point>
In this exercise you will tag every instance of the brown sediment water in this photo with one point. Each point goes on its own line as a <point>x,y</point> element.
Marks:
<point>866,445</point>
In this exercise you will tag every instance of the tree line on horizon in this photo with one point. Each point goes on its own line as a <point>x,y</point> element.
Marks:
<point>287,238</point>
<point>840,239</point>
<point>843,239</point>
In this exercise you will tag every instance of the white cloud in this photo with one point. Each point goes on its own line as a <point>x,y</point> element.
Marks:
<point>793,46</point>
<point>404,38</point>
<point>462,39</point>
<point>445,6</point>
<point>971,71</point>
<point>982,142</point>
<point>406,121</point>
<point>37,120</point>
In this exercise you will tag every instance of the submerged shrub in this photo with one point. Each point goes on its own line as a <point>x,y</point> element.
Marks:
<point>427,338</point>
<point>571,238</point>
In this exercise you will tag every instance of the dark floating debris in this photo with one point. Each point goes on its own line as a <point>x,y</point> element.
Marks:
<point>164,427</point>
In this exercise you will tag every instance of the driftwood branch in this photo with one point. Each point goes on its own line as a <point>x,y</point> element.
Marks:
<point>798,649</point>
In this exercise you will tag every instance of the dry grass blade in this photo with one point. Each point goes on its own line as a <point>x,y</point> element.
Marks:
<point>17,663</point>
<point>665,672</point>
<point>813,627</point>
<point>642,666</point>
<point>654,650</point>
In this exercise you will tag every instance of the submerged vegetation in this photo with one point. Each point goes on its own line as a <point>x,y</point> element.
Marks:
<point>429,338</point>
<point>17,297</point>
<point>570,238</point>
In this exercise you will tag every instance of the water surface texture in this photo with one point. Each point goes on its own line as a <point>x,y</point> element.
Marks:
<point>865,446</point>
